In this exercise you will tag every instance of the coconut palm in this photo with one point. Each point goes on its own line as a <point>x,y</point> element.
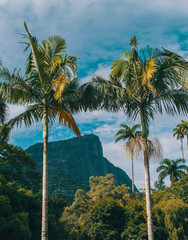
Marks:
<point>144,86</point>
<point>180,135</point>
<point>172,168</point>
<point>48,89</point>
<point>124,133</point>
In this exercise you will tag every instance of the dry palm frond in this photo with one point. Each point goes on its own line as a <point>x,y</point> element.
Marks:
<point>67,119</point>
<point>59,85</point>
<point>154,149</point>
<point>134,147</point>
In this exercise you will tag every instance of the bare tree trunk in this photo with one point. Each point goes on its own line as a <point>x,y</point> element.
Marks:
<point>44,231</point>
<point>132,174</point>
<point>148,194</point>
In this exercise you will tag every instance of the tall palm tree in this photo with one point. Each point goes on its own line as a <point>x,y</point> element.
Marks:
<point>48,89</point>
<point>172,168</point>
<point>3,106</point>
<point>3,110</point>
<point>3,116</point>
<point>184,127</point>
<point>144,86</point>
<point>127,132</point>
<point>180,135</point>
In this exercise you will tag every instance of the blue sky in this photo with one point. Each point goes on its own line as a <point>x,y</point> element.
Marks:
<point>97,31</point>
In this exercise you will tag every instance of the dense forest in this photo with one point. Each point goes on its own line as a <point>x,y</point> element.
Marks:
<point>107,211</point>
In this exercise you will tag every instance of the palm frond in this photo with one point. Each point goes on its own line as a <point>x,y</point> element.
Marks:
<point>121,137</point>
<point>69,66</point>
<point>54,49</point>
<point>59,84</point>
<point>120,65</point>
<point>67,119</point>
<point>31,115</point>
<point>149,69</point>
<point>36,58</point>
<point>16,89</point>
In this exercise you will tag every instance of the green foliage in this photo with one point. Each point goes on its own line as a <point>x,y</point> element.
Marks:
<point>123,216</point>
<point>180,189</point>
<point>172,168</point>
<point>135,227</point>
<point>100,188</point>
<point>104,187</point>
<point>127,132</point>
<point>15,226</point>
<point>159,185</point>
<point>19,213</point>
<point>172,214</point>
<point>104,220</point>
<point>64,185</point>
<point>17,167</point>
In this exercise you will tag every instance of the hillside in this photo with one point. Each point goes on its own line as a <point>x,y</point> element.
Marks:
<point>73,161</point>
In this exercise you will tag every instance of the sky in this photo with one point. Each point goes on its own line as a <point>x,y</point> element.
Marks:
<point>97,31</point>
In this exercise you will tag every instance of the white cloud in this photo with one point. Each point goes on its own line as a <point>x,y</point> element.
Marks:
<point>102,70</point>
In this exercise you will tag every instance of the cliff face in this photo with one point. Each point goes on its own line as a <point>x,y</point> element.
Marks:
<point>78,158</point>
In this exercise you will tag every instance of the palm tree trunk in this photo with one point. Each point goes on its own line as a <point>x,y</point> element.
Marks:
<point>148,194</point>
<point>182,151</point>
<point>132,174</point>
<point>182,148</point>
<point>144,133</point>
<point>44,231</point>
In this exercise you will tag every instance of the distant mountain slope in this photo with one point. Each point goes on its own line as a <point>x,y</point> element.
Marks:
<point>77,159</point>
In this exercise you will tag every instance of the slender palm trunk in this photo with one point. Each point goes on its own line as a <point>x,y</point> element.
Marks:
<point>148,194</point>
<point>182,151</point>
<point>182,148</point>
<point>132,173</point>
<point>144,132</point>
<point>44,231</point>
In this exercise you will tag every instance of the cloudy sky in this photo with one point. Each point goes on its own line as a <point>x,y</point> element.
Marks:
<point>97,31</point>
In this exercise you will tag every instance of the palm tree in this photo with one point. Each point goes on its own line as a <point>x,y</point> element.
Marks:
<point>49,90</point>
<point>124,133</point>
<point>3,110</point>
<point>3,106</point>
<point>159,185</point>
<point>180,135</point>
<point>184,127</point>
<point>145,86</point>
<point>3,116</point>
<point>172,168</point>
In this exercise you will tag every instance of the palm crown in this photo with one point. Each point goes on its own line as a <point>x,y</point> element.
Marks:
<point>49,84</point>
<point>172,168</point>
<point>127,132</point>
<point>145,85</point>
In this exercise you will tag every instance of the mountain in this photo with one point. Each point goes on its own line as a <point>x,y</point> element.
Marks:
<point>73,161</point>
